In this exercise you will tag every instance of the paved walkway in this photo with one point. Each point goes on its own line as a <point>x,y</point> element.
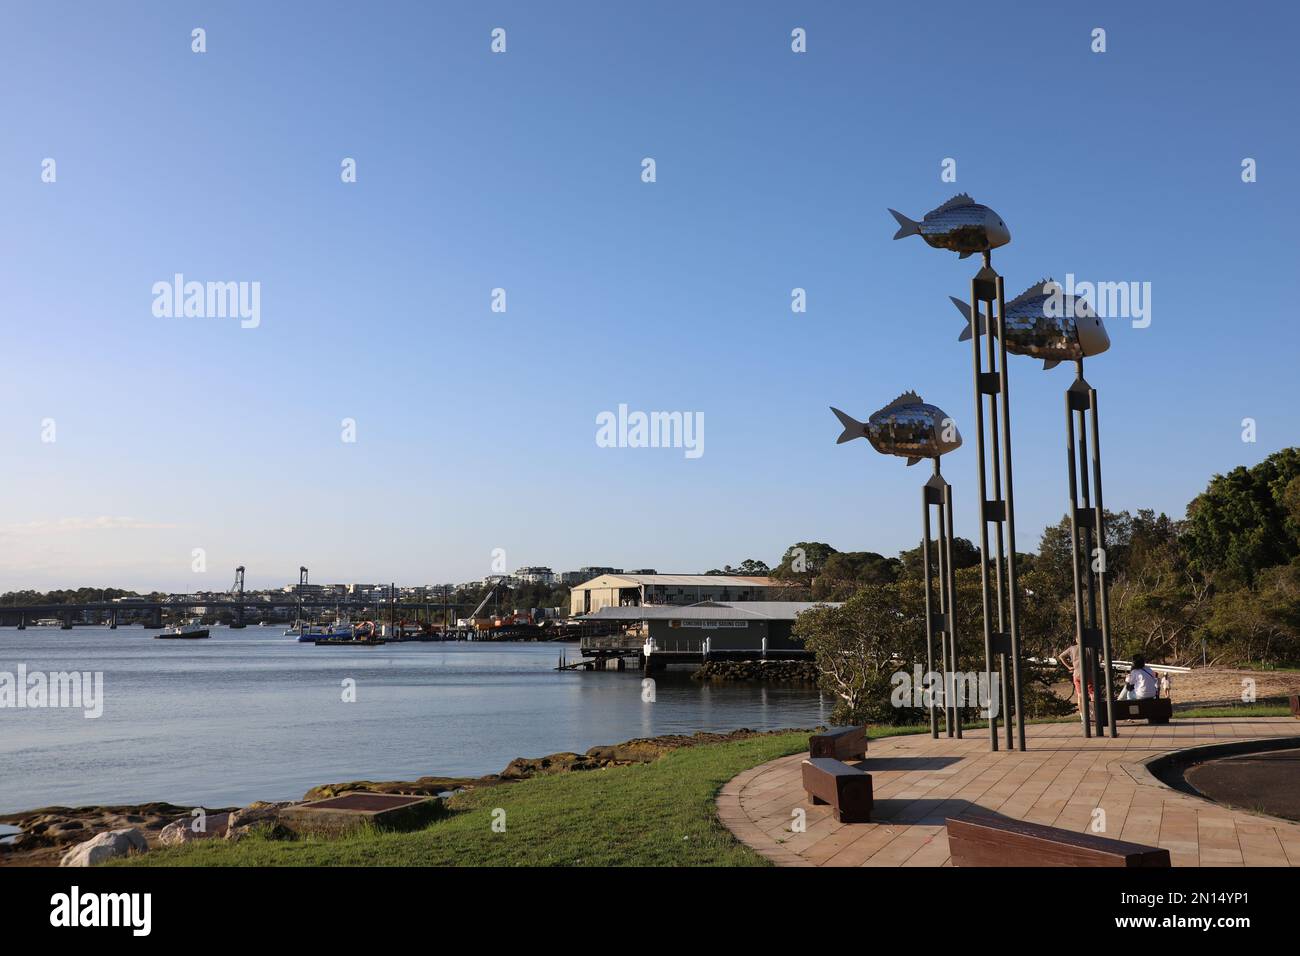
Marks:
<point>1060,781</point>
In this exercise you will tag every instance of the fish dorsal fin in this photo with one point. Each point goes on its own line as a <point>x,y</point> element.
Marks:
<point>1036,291</point>
<point>907,398</point>
<point>961,199</point>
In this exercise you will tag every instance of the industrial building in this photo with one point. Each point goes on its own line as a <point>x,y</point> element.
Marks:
<point>740,626</point>
<point>673,590</point>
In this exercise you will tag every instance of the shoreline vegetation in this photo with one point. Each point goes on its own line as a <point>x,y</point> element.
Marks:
<point>651,800</point>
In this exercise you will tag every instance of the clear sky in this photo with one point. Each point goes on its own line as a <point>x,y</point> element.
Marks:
<point>476,430</point>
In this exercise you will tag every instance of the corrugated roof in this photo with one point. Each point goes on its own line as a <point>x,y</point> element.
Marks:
<point>697,580</point>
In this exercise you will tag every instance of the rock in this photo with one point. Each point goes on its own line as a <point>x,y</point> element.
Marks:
<point>106,846</point>
<point>177,833</point>
<point>240,822</point>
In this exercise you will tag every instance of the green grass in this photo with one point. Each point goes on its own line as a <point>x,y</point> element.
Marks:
<point>655,814</point>
<point>1236,710</point>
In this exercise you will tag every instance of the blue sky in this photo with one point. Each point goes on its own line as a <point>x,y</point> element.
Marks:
<point>476,430</point>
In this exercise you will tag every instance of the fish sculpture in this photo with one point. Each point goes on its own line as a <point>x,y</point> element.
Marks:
<point>961,224</point>
<point>906,427</point>
<point>1042,322</point>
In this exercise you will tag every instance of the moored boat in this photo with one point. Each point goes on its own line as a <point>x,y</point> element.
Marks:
<point>190,631</point>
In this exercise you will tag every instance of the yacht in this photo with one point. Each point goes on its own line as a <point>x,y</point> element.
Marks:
<point>190,631</point>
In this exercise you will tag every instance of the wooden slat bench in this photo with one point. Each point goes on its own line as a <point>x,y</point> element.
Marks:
<point>1154,710</point>
<point>847,789</point>
<point>978,840</point>
<point>842,743</point>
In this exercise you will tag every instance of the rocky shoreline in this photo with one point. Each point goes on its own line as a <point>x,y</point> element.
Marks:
<point>84,835</point>
<point>795,672</point>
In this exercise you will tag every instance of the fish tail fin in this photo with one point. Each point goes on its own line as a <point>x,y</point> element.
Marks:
<point>906,227</point>
<point>852,427</point>
<point>964,309</point>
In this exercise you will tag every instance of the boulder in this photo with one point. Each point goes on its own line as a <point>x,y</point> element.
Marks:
<point>241,822</point>
<point>176,833</point>
<point>106,846</point>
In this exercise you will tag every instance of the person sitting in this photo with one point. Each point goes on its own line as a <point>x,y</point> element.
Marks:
<point>1141,683</point>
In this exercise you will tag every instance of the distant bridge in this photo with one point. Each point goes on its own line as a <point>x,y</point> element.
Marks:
<point>150,612</point>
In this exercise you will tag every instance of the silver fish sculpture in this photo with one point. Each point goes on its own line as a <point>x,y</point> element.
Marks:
<point>1043,322</point>
<point>906,427</point>
<point>961,224</point>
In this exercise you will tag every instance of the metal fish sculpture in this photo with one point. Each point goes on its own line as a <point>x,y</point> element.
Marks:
<point>961,224</point>
<point>1042,322</point>
<point>906,427</point>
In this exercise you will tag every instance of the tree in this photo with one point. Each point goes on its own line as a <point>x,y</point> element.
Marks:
<point>750,567</point>
<point>964,555</point>
<point>847,571</point>
<point>1243,522</point>
<point>803,560</point>
<point>860,644</point>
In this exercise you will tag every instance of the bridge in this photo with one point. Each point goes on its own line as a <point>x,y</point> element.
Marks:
<point>150,612</point>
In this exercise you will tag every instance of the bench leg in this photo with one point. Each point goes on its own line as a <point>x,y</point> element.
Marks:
<point>816,801</point>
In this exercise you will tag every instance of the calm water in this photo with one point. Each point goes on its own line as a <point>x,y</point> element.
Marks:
<point>250,714</point>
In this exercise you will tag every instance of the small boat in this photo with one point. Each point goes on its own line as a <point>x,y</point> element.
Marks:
<point>349,641</point>
<point>191,631</point>
<point>310,633</point>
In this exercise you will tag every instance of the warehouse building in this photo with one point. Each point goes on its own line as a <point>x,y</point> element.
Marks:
<point>673,590</point>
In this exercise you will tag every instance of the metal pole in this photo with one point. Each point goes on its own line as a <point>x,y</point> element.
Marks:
<point>929,614</point>
<point>1013,596</point>
<point>999,546</point>
<point>951,587</point>
<point>1102,585</point>
<point>983,488</point>
<point>1080,661</point>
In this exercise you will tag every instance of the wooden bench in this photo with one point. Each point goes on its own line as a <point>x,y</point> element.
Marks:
<point>841,743</point>
<point>979,840</point>
<point>847,789</point>
<point>1154,710</point>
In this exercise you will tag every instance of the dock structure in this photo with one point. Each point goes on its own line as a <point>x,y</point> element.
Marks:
<point>657,637</point>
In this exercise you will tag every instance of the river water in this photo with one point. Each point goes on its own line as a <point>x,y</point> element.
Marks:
<point>251,715</point>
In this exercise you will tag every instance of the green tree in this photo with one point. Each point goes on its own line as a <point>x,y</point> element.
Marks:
<point>1244,521</point>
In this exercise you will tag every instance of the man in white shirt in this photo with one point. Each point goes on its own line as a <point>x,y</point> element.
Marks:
<point>1141,683</point>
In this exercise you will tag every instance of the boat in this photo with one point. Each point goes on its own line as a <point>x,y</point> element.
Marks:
<point>190,631</point>
<point>349,641</point>
<point>310,633</point>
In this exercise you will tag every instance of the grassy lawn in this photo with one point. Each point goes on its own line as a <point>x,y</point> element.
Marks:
<point>655,814</point>
<point>1237,710</point>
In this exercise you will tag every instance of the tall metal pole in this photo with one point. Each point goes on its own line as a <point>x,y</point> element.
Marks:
<point>987,290</point>
<point>1091,586</point>
<point>1080,645</point>
<point>1013,591</point>
<point>983,492</point>
<point>926,494</point>
<point>950,585</point>
<point>938,493</point>
<point>1103,587</point>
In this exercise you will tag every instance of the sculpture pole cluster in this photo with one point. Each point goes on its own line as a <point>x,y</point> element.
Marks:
<point>1091,586</point>
<point>937,493</point>
<point>909,428</point>
<point>1001,596</point>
